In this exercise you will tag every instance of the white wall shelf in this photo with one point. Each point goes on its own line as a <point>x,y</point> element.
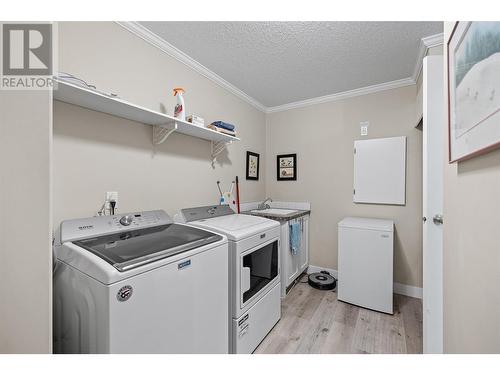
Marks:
<point>164,125</point>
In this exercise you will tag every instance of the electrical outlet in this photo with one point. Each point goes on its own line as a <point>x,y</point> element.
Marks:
<point>112,196</point>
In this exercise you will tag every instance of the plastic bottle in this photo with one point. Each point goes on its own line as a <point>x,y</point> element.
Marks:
<point>180,109</point>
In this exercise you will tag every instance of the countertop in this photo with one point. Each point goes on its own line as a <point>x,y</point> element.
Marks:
<point>291,216</point>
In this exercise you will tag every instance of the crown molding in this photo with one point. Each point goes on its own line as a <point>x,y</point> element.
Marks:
<point>169,49</point>
<point>344,95</point>
<point>425,44</point>
<point>150,37</point>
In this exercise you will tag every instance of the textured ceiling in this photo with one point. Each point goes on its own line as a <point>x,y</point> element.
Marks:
<point>283,62</point>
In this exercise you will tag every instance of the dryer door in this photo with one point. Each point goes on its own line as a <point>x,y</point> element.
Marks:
<point>259,267</point>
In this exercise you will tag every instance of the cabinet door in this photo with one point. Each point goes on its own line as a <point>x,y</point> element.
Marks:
<point>304,245</point>
<point>291,263</point>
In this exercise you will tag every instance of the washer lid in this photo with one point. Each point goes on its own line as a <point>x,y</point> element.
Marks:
<point>237,226</point>
<point>130,249</point>
<point>367,223</point>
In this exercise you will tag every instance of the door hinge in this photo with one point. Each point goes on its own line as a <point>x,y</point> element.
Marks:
<point>354,151</point>
<point>354,191</point>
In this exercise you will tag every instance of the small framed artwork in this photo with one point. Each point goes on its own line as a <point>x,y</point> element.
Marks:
<point>286,167</point>
<point>473,89</point>
<point>252,165</point>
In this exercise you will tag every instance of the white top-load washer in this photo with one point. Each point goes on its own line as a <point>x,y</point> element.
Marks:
<point>139,283</point>
<point>254,271</point>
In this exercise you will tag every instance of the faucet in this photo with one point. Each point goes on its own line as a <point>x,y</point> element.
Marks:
<point>264,205</point>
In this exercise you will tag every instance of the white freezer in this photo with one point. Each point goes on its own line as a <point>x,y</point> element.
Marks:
<point>365,263</point>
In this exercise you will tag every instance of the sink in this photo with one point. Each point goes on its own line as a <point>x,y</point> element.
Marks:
<point>274,212</point>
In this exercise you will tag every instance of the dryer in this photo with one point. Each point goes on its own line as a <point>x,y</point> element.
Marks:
<point>254,271</point>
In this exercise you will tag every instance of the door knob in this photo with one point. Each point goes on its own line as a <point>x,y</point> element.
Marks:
<point>438,219</point>
<point>424,219</point>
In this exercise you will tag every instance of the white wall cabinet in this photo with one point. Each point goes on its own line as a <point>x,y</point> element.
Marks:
<point>380,171</point>
<point>292,265</point>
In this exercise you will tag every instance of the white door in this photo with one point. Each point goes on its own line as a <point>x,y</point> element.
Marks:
<point>433,145</point>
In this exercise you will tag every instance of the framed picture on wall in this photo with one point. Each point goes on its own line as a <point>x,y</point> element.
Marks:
<point>286,166</point>
<point>473,89</point>
<point>252,165</point>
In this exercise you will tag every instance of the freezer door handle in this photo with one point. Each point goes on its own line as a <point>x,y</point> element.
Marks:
<point>245,279</point>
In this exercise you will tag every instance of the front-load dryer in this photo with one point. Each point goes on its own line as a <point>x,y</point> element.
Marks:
<point>254,271</point>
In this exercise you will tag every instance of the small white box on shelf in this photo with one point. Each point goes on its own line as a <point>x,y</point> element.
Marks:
<point>196,120</point>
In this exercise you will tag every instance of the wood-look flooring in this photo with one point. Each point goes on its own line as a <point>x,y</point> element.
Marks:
<point>314,321</point>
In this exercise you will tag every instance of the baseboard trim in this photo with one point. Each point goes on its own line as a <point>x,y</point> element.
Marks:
<point>403,289</point>
<point>408,290</point>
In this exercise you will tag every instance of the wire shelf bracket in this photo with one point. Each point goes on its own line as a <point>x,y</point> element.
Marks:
<point>217,148</point>
<point>162,132</point>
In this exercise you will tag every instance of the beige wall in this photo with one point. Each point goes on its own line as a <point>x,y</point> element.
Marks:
<point>323,136</point>
<point>95,153</point>
<point>25,225</point>
<point>471,254</point>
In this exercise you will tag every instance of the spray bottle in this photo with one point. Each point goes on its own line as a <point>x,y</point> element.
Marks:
<point>180,109</point>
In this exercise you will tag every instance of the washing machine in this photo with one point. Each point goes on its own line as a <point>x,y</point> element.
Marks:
<point>139,283</point>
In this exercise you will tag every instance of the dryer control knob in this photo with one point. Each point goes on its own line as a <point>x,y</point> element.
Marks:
<point>126,220</point>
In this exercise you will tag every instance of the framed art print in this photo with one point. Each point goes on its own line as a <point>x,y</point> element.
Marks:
<point>252,165</point>
<point>286,167</point>
<point>473,89</point>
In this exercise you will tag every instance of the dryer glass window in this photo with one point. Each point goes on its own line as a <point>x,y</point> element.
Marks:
<point>263,264</point>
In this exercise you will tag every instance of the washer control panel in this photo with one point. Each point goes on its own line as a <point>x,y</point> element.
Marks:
<point>140,219</point>
<point>126,220</point>
<point>78,229</point>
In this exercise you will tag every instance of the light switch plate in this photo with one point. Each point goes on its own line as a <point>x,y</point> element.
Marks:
<point>364,127</point>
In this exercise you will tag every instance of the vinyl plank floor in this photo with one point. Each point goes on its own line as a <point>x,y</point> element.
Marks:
<point>315,322</point>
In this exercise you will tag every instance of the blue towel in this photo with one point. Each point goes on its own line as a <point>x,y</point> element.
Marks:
<point>223,125</point>
<point>295,238</point>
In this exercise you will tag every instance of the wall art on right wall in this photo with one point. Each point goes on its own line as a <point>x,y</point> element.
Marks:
<point>474,89</point>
